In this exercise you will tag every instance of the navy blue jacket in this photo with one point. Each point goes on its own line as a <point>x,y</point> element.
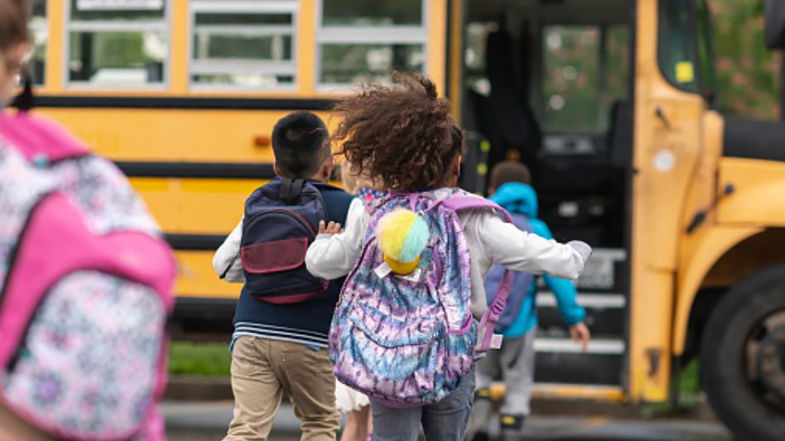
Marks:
<point>307,322</point>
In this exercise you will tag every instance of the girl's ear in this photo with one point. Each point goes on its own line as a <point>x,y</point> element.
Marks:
<point>456,166</point>
<point>453,172</point>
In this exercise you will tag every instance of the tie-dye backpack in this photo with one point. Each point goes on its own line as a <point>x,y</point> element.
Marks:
<point>403,332</point>
<point>85,290</point>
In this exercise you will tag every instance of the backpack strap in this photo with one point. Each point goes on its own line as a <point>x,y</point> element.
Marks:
<point>486,339</point>
<point>463,203</point>
<point>39,138</point>
<point>290,189</point>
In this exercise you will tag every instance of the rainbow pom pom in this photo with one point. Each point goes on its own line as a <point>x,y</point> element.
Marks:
<point>402,235</point>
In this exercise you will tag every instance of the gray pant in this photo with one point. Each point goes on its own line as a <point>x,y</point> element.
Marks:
<point>514,363</point>
<point>446,420</point>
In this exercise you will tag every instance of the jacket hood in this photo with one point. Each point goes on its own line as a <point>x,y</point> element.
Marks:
<point>517,197</point>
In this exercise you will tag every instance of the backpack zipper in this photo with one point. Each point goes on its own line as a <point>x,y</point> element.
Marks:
<point>316,195</point>
<point>291,213</point>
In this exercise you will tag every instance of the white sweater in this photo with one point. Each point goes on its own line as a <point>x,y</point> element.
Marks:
<point>490,239</point>
<point>226,261</point>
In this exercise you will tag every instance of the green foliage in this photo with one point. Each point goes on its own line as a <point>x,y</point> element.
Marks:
<point>747,71</point>
<point>210,359</point>
<point>118,49</point>
<point>689,394</point>
<point>578,93</point>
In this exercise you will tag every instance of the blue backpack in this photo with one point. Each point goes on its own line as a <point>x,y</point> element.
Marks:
<point>521,282</point>
<point>281,221</point>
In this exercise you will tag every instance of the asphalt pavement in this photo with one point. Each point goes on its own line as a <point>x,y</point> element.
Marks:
<point>207,421</point>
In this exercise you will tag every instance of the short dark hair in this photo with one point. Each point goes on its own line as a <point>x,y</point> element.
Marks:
<point>509,171</point>
<point>300,144</point>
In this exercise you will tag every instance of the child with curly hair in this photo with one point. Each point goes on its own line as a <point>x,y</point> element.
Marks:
<point>404,137</point>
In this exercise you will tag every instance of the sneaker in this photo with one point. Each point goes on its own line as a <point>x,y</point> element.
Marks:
<point>512,427</point>
<point>481,436</point>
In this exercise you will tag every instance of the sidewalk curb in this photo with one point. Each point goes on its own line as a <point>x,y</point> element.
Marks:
<point>198,388</point>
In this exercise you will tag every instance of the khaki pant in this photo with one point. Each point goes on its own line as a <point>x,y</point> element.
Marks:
<point>263,370</point>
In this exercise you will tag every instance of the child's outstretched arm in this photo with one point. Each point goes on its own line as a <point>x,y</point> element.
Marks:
<point>517,250</point>
<point>332,255</point>
<point>226,261</point>
<point>566,295</point>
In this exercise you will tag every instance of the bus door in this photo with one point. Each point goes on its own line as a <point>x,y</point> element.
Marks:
<point>550,84</point>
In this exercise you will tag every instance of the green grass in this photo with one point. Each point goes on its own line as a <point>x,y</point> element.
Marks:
<point>689,394</point>
<point>206,359</point>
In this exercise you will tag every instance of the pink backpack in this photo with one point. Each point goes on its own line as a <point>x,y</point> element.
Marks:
<point>85,290</point>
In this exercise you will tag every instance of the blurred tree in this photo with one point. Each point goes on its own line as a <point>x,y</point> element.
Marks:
<point>747,71</point>
<point>119,49</point>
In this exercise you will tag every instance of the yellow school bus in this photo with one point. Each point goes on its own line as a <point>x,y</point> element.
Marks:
<point>610,103</point>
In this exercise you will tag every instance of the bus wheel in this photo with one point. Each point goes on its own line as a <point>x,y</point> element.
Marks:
<point>743,357</point>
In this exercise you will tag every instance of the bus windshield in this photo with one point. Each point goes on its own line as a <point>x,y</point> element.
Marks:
<point>685,46</point>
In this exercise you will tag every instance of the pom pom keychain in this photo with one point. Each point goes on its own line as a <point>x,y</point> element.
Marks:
<point>403,236</point>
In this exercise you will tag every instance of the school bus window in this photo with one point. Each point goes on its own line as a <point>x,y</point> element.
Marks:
<point>474,74</point>
<point>571,77</point>
<point>586,71</point>
<point>615,73</point>
<point>362,41</point>
<point>117,45</point>
<point>40,28</point>
<point>361,63</point>
<point>243,44</point>
<point>708,79</point>
<point>375,13</point>
<point>676,50</point>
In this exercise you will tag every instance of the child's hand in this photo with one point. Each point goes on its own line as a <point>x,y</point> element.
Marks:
<point>331,228</point>
<point>582,248</point>
<point>580,333</point>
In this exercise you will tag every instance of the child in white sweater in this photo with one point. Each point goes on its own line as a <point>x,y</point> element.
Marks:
<point>405,138</point>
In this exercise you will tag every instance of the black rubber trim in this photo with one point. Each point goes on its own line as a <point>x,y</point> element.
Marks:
<point>195,242</point>
<point>604,322</point>
<point>227,170</point>
<point>135,102</point>
<point>198,305</point>
<point>203,316</point>
<point>589,369</point>
<point>754,139</point>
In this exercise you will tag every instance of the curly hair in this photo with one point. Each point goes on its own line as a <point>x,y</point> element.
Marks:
<point>402,135</point>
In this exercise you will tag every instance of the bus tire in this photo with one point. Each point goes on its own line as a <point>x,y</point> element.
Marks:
<point>740,395</point>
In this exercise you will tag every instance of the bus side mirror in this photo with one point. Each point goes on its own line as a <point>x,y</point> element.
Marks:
<point>775,24</point>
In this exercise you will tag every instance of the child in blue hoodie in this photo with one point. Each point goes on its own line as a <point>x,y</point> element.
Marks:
<point>514,362</point>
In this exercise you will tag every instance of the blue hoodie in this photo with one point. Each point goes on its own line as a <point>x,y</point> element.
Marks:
<point>519,198</point>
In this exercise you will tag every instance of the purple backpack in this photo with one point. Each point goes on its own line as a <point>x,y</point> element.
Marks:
<point>408,340</point>
<point>281,220</point>
<point>521,283</point>
<point>85,290</point>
